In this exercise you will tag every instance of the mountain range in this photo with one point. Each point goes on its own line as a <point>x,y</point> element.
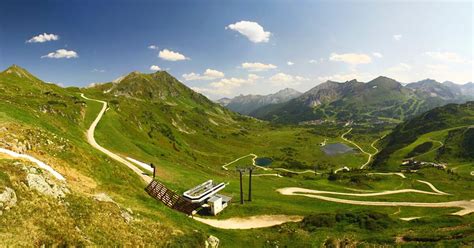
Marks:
<point>246,104</point>
<point>382,97</point>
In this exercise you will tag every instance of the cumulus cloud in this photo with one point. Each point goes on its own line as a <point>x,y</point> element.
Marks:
<point>282,79</point>
<point>346,77</point>
<point>290,63</point>
<point>98,70</point>
<point>60,54</point>
<point>252,30</point>
<point>351,58</point>
<point>401,67</point>
<point>153,47</point>
<point>155,68</point>
<point>43,38</point>
<point>397,37</point>
<point>448,57</point>
<point>435,68</point>
<point>226,86</point>
<point>314,61</point>
<point>256,66</point>
<point>376,54</point>
<point>171,56</point>
<point>209,74</point>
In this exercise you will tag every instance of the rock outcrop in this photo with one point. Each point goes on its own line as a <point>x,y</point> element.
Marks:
<point>7,199</point>
<point>44,185</point>
<point>212,242</point>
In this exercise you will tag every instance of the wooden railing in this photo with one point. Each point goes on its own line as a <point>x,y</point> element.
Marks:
<point>170,198</point>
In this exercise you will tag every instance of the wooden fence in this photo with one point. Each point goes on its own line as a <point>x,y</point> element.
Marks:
<point>170,198</point>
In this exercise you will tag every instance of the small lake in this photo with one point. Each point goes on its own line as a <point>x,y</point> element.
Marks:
<point>263,161</point>
<point>336,149</point>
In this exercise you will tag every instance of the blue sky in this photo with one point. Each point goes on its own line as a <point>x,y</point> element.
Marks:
<point>225,48</point>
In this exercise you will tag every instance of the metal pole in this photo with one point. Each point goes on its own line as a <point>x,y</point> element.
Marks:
<point>241,189</point>
<point>250,183</point>
<point>154,169</point>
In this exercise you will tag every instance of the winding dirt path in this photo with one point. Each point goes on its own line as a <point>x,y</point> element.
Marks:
<point>91,140</point>
<point>237,159</point>
<point>441,144</point>
<point>258,221</point>
<point>467,206</point>
<point>388,173</point>
<point>433,187</point>
<point>360,148</point>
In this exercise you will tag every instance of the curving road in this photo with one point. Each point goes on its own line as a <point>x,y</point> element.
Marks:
<point>91,140</point>
<point>360,148</point>
<point>466,205</point>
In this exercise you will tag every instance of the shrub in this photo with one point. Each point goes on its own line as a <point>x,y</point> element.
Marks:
<point>314,221</point>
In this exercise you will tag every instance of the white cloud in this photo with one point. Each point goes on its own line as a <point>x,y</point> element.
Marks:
<point>314,61</point>
<point>171,56</point>
<point>43,38</point>
<point>282,79</point>
<point>363,77</point>
<point>435,68</point>
<point>257,66</point>
<point>351,58</point>
<point>155,68</point>
<point>209,74</point>
<point>397,37</point>
<point>401,67</point>
<point>227,86</point>
<point>376,54</point>
<point>213,73</point>
<point>98,70</point>
<point>252,30</point>
<point>290,63</point>
<point>448,57</point>
<point>153,47</point>
<point>444,72</point>
<point>61,53</point>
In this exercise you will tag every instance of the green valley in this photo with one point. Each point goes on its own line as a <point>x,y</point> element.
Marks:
<point>154,118</point>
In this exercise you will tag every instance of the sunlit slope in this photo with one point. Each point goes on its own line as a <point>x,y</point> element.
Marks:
<point>49,122</point>
<point>443,134</point>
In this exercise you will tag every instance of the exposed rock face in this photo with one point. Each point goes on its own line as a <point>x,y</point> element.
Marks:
<point>7,199</point>
<point>126,215</point>
<point>46,186</point>
<point>21,139</point>
<point>212,242</point>
<point>103,197</point>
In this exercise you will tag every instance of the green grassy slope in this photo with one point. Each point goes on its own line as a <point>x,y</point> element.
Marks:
<point>53,120</point>
<point>189,138</point>
<point>449,128</point>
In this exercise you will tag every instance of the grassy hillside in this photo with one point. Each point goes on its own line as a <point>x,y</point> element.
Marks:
<point>450,125</point>
<point>189,139</point>
<point>52,121</point>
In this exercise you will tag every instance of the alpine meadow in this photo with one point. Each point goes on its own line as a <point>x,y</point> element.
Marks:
<point>236,123</point>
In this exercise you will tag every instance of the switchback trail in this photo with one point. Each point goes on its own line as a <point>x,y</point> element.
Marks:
<point>466,205</point>
<point>91,140</point>
<point>360,148</point>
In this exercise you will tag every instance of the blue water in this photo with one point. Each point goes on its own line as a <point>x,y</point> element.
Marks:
<point>263,161</point>
<point>336,149</point>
